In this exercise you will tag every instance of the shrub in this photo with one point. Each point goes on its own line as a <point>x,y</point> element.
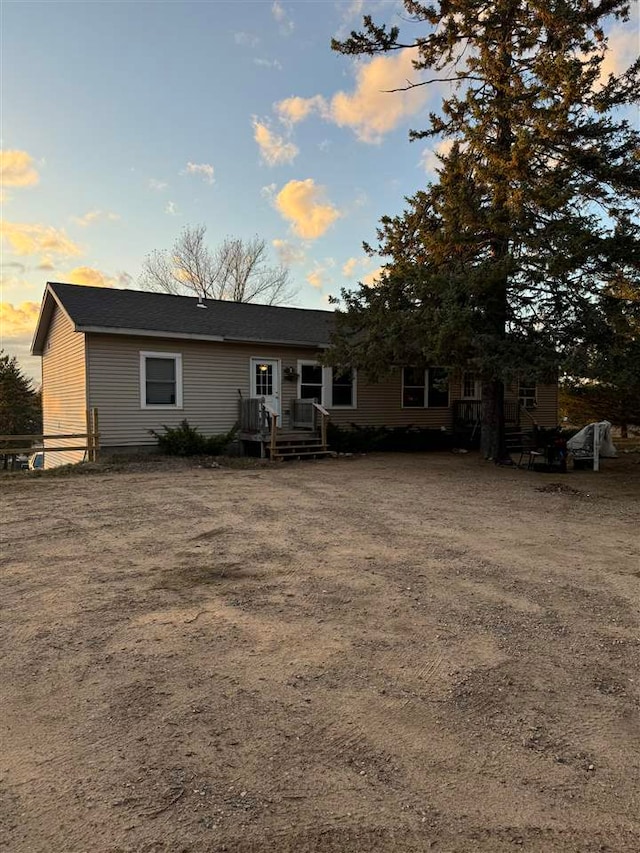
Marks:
<point>185,440</point>
<point>367,439</point>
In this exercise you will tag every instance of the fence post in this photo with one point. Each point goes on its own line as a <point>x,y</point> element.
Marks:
<point>95,429</point>
<point>89,436</point>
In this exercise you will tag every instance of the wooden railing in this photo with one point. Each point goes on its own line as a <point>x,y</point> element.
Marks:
<point>468,413</point>
<point>324,422</point>
<point>303,414</point>
<point>12,445</point>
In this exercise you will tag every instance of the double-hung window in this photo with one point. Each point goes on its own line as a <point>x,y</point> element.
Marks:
<point>423,389</point>
<point>160,380</point>
<point>310,381</point>
<point>527,395</point>
<point>333,387</point>
<point>342,388</point>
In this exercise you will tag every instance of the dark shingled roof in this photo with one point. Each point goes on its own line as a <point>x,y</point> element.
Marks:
<point>109,309</point>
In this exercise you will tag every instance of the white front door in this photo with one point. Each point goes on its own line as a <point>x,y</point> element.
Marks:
<point>265,381</point>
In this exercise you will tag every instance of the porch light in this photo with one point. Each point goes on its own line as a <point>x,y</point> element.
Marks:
<point>263,367</point>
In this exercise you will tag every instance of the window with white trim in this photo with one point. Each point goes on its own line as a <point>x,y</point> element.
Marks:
<point>422,389</point>
<point>160,380</point>
<point>310,385</point>
<point>343,388</point>
<point>527,396</point>
<point>470,386</point>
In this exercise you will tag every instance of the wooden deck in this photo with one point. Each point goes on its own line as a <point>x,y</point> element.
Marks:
<point>305,435</point>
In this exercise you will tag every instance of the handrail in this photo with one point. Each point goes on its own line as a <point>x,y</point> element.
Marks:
<point>323,423</point>
<point>529,415</point>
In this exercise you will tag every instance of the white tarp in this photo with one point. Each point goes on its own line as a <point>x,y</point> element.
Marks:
<point>582,442</point>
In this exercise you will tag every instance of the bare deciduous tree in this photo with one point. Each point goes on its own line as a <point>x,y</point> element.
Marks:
<point>238,270</point>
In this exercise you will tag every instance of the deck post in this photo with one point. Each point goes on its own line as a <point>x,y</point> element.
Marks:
<point>95,430</point>
<point>89,416</point>
<point>274,432</point>
<point>323,430</point>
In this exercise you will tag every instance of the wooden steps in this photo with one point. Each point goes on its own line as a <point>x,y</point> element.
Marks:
<point>298,445</point>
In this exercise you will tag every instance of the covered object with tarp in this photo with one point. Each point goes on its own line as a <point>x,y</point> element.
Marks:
<point>582,444</point>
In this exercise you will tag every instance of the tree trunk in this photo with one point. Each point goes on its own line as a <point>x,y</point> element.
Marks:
<point>624,431</point>
<point>492,439</point>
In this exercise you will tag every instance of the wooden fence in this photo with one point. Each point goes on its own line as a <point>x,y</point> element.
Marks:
<point>12,445</point>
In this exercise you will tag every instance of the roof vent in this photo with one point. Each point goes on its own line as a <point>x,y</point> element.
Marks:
<point>200,303</point>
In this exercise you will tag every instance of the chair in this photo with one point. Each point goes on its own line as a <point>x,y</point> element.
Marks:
<point>530,449</point>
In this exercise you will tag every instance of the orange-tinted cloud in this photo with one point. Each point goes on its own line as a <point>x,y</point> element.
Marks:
<point>296,109</point>
<point>430,160</point>
<point>95,216</point>
<point>17,169</point>
<point>275,149</point>
<point>304,205</point>
<point>18,321</point>
<point>91,277</point>
<point>370,110</point>
<point>33,239</point>
<point>288,253</point>
<point>372,278</point>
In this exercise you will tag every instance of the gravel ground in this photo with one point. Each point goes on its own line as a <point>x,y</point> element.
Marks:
<point>387,653</point>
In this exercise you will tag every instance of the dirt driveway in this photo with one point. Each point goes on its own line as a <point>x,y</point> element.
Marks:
<point>392,653</point>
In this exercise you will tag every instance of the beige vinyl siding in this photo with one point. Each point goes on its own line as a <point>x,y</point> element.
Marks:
<point>63,388</point>
<point>380,404</point>
<point>212,374</point>
<point>546,411</point>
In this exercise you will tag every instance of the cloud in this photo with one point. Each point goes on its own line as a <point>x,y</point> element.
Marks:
<point>204,169</point>
<point>156,185</point>
<point>353,267</point>
<point>246,39</point>
<point>316,278</point>
<point>303,204</point>
<point>430,162</point>
<point>94,216</point>
<point>31,239</point>
<point>17,169</point>
<point>349,267</point>
<point>171,208</point>
<point>295,109</point>
<point>91,277</point>
<point>268,63</point>
<point>370,110</point>
<point>268,191</point>
<point>373,278</point>
<point>279,13</point>
<point>46,264</point>
<point>274,149</point>
<point>622,50</point>
<point>288,254</point>
<point>18,321</point>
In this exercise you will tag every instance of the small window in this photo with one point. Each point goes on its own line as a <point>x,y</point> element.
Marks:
<point>413,388</point>
<point>160,380</point>
<point>527,396</point>
<point>311,382</point>
<point>470,386</point>
<point>425,388</point>
<point>264,379</point>
<point>342,388</point>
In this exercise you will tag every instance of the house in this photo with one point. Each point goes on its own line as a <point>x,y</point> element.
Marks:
<point>147,359</point>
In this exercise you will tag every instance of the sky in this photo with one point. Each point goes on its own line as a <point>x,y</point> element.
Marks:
<point>122,122</point>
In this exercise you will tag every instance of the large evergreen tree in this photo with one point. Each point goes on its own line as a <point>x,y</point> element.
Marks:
<point>494,266</point>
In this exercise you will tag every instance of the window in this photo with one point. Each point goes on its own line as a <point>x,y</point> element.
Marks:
<point>329,386</point>
<point>342,388</point>
<point>413,388</point>
<point>310,382</point>
<point>425,388</point>
<point>470,386</point>
<point>527,396</point>
<point>160,380</point>
<point>264,379</point>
